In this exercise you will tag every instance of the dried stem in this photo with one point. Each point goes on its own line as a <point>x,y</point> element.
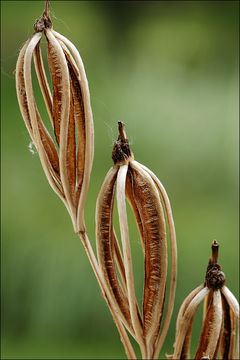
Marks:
<point>93,261</point>
<point>215,247</point>
<point>122,132</point>
<point>47,8</point>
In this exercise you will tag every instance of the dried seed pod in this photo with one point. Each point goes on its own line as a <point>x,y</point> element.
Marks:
<point>68,164</point>
<point>67,159</point>
<point>221,310</point>
<point>148,200</point>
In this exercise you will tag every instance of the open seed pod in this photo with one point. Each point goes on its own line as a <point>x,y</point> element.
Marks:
<point>152,211</point>
<point>66,159</point>
<point>221,310</point>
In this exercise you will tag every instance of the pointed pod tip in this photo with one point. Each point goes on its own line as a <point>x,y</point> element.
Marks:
<point>122,133</point>
<point>215,278</point>
<point>44,22</point>
<point>215,243</point>
<point>121,150</point>
<point>47,7</point>
<point>215,247</point>
<point>121,124</point>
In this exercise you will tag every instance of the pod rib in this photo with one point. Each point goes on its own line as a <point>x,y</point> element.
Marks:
<point>132,201</point>
<point>79,115</point>
<point>33,115</point>
<point>173,243</point>
<point>89,130</point>
<point>185,354</point>
<point>21,91</point>
<point>207,302</point>
<point>71,150</point>
<point>43,81</point>
<point>154,230</point>
<point>185,305</point>
<point>122,212</point>
<point>184,321</point>
<point>210,333</point>
<point>119,259</point>
<point>228,337</point>
<point>46,138</point>
<point>105,250</point>
<point>233,303</point>
<point>61,105</point>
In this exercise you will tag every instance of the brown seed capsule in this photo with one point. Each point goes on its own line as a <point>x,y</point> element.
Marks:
<point>144,192</point>
<point>67,165</point>
<point>221,309</point>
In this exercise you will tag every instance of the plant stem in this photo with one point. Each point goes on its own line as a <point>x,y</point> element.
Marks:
<point>93,261</point>
<point>47,8</point>
<point>215,247</point>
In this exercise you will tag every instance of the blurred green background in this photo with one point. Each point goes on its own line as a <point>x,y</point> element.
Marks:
<point>169,70</point>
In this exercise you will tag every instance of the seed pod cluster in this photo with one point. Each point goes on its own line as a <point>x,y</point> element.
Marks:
<point>221,310</point>
<point>151,207</point>
<point>67,157</point>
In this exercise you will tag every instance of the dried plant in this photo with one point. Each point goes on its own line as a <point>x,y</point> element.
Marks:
<point>67,159</point>
<point>67,162</point>
<point>144,192</point>
<point>68,168</point>
<point>221,310</point>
